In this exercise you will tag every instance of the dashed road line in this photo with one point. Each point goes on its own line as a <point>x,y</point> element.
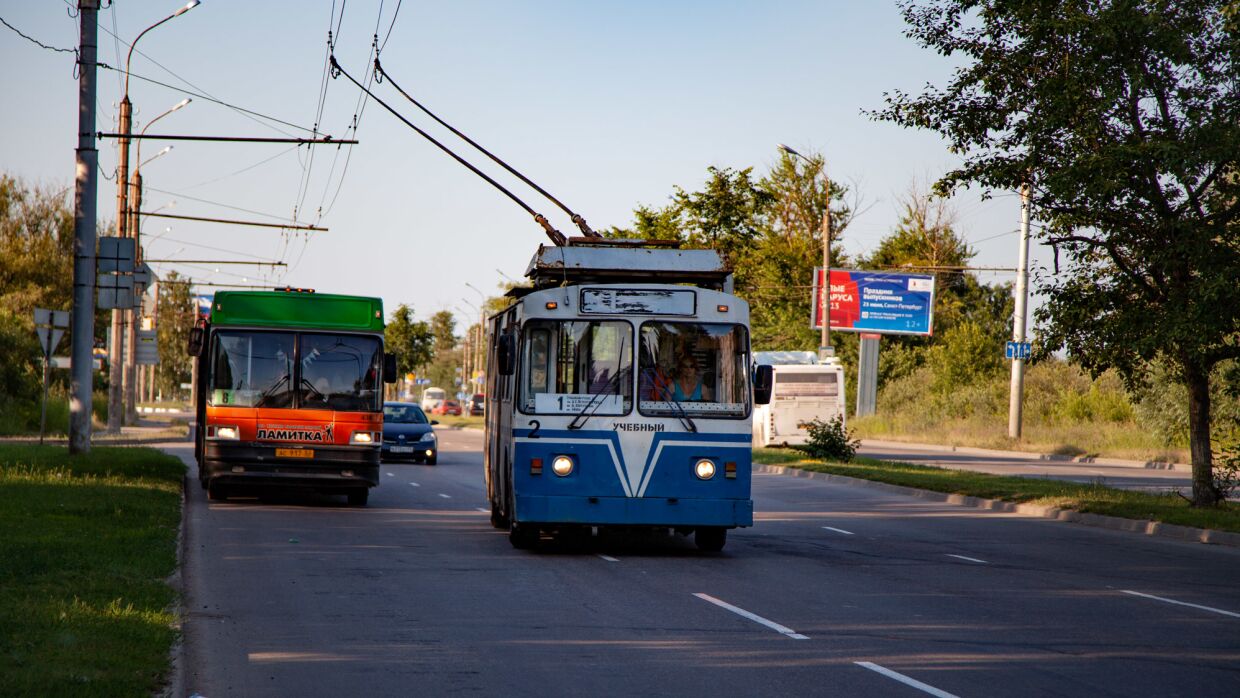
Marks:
<point>445,496</point>
<point>781,629</point>
<point>608,558</point>
<point>1182,603</point>
<point>483,510</point>
<point>906,680</point>
<point>390,474</point>
<point>838,530</point>
<point>414,484</point>
<point>970,559</point>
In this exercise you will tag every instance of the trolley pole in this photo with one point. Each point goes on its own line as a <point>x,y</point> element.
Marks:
<point>1016,396</point>
<point>84,213</point>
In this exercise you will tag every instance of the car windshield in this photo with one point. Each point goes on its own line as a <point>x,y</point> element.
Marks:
<point>698,369</point>
<point>403,414</point>
<point>569,366</point>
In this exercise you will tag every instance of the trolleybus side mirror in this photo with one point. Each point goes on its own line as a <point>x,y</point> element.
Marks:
<point>193,347</point>
<point>763,382</point>
<point>507,353</point>
<point>389,367</point>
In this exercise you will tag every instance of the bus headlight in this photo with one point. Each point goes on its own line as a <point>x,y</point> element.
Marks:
<point>362,437</point>
<point>704,469</point>
<point>230,433</point>
<point>562,465</point>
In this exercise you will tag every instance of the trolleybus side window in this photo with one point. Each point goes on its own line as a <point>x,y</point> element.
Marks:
<point>569,365</point>
<point>251,369</point>
<point>340,372</point>
<point>698,369</point>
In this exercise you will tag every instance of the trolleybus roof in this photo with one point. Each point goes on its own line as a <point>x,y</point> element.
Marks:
<point>626,261</point>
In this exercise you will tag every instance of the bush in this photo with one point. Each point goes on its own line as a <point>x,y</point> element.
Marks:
<point>830,440</point>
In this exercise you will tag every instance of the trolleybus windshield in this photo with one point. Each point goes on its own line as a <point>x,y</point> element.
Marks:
<point>257,369</point>
<point>568,366</point>
<point>698,369</point>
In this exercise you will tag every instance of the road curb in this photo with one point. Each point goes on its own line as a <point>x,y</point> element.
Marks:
<point>1113,523</point>
<point>1029,455</point>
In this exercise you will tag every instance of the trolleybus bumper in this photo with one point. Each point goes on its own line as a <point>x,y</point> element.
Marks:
<point>331,468</point>
<point>634,511</point>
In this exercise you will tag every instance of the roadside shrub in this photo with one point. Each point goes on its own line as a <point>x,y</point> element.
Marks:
<point>829,440</point>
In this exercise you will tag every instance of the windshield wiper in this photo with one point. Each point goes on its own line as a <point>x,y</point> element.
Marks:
<point>269,392</point>
<point>680,412</point>
<point>597,401</point>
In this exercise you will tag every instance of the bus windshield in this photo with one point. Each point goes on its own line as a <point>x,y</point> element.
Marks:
<point>257,369</point>
<point>698,369</point>
<point>569,366</point>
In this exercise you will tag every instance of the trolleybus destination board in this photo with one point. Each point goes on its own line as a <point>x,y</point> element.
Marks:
<point>871,301</point>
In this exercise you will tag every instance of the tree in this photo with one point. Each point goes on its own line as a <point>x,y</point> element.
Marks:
<point>1123,117</point>
<point>175,314</point>
<point>445,357</point>
<point>410,341</point>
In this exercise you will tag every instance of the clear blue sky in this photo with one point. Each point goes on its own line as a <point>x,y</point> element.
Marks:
<point>606,104</point>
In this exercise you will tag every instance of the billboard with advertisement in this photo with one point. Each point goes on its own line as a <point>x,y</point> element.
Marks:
<point>876,301</point>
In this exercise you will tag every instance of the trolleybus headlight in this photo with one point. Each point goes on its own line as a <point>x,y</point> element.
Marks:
<point>704,469</point>
<point>223,433</point>
<point>562,465</point>
<point>362,437</point>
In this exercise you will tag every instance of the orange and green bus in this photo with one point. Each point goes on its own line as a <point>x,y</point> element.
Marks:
<point>290,392</point>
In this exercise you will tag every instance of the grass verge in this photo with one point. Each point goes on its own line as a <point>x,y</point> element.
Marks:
<point>1094,499</point>
<point>89,541</point>
<point>448,420</point>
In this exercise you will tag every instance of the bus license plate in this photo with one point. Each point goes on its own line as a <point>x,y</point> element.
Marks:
<point>294,453</point>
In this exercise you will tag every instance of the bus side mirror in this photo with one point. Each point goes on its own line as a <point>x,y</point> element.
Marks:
<point>507,351</point>
<point>389,367</point>
<point>193,346</point>
<point>763,383</point>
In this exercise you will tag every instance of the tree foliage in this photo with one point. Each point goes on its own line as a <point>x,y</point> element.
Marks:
<point>410,340</point>
<point>175,315</point>
<point>1124,118</point>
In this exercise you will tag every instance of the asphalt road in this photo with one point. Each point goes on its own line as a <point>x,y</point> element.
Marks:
<point>836,590</point>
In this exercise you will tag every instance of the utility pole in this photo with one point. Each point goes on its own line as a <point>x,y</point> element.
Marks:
<point>824,343</point>
<point>134,313</point>
<point>116,355</point>
<point>1016,397</point>
<point>84,213</point>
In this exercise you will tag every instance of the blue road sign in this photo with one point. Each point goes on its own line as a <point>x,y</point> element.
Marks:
<point>1017,350</point>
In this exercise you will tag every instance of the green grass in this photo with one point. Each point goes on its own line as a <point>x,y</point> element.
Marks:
<point>448,420</point>
<point>88,543</point>
<point>1094,499</point>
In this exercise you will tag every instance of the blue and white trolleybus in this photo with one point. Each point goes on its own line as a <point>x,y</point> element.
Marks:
<point>620,394</point>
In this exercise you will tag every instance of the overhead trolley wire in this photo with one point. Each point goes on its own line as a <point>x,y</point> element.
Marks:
<point>556,236</point>
<point>577,219</point>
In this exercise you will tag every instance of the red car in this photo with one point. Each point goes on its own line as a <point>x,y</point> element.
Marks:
<point>448,407</point>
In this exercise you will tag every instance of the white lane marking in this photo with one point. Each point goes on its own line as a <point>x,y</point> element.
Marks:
<point>608,558</point>
<point>483,510</point>
<point>782,629</point>
<point>1182,603</point>
<point>414,484</point>
<point>445,496</point>
<point>390,474</point>
<point>970,559</point>
<point>907,681</point>
<point>838,530</point>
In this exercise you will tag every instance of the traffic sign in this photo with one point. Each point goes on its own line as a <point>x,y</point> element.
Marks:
<point>1017,350</point>
<point>50,325</point>
<point>147,353</point>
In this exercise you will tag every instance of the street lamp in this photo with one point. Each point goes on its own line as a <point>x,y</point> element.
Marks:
<point>824,343</point>
<point>116,372</point>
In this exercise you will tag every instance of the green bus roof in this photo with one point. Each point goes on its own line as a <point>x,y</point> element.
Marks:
<point>301,310</point>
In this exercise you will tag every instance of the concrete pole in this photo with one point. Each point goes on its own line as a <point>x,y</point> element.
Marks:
<point>1017,392</point>
<point>824,342</point>
<point>116,357</point>
<point>84,213</point>
<point>133,315</point>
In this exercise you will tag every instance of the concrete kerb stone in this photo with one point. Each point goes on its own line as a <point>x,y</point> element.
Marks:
<point>1027,455</point>
<point>1114,523</point>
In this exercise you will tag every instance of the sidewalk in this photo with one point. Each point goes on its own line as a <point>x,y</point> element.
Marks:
<point>1026,455</point>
